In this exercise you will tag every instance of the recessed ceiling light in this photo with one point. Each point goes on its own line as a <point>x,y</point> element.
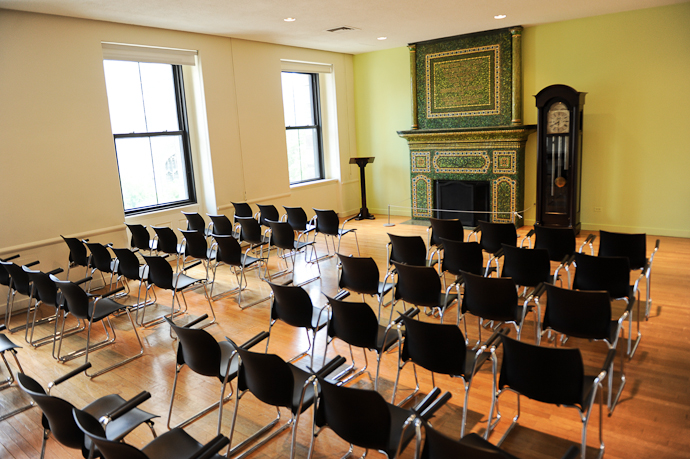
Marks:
<point>382,38</point>
<point>500,16</point>
<point>289,19</point>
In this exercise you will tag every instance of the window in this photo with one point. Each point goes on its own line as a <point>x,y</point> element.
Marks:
<point>303,126</point>
<point>149,123</point>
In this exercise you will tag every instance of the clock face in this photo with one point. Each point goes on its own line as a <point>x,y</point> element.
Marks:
<point>558,119</point>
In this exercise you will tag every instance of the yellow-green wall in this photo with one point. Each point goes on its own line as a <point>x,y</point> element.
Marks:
<point>635,67</point>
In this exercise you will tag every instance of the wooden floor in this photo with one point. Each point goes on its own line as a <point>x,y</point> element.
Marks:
<point>651,420</point>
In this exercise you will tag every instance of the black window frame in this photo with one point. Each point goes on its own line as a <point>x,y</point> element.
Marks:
<point>183,133</point>
<point>316,109</point>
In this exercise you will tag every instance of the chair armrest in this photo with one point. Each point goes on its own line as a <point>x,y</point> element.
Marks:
<point>476,232</point>
<point>79,282</point>
<point>55,271</point>
<point>330,367</point>
<point>427,401</point>
<point>342,295</point>
<point>33,263</point>
<point>211,448</point>
<point>537,292</point>
<point>196,263</point>
<point>410,313</point>
<point>605,367</point>
<point>438,403</point>
<point>253,341</point>
<point>11,257</point>
<point>69,375</point>
<point>193,322</point>
<point>589,240</point>
<point>342,227</point>
<point>113,292</point>
<point>126,407</point>
<point>527,238</point>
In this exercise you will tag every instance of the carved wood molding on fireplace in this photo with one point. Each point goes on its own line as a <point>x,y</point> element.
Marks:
<point>496,155</point>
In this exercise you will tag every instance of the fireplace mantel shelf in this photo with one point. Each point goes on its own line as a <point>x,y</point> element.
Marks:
<point>494,133</point>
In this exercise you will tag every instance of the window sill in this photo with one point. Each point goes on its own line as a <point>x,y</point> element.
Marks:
<point>314,184</point>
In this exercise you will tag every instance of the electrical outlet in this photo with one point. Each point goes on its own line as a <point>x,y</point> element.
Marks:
<point>597,209</point>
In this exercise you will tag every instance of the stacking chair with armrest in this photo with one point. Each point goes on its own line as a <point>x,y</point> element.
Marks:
<point>100,260</point>
<point>130,269</point>
<point>421,286</point>
<point>19,283</point>
<point>256,240</point>
<point>559,243</point>
<point>282,237</point>
<point>58,420</point>
<point>328,224</point>
<point>174,444</point>
<point>195,245</point>
<point>297,218</point>
<point>361,275</point>
<point>459,257</point>
<point>6,345</point>
<point>229,252</point>
<point>493,235</point>
<point>195,222</point>
<point>550,375</point>
<point>78,255</point>
<point>141,239</point>
<point>199,351</point>
<point>221,225</point>
<point>268,213</point>
<point>634,247</point>
<point>241,209</point>
<point>441,348</point>
<point>441,228</point>
<point>91,308</point>
<point>166,243</point>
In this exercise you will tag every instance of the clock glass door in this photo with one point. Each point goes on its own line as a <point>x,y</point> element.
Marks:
<point>557,163</point>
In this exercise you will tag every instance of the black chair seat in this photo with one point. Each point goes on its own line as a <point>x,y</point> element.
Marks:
<point>104,308</point>
<point>174,444</point>
<point>183,281</point>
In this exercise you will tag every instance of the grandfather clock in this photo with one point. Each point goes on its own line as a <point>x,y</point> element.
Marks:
<point>559,156</point>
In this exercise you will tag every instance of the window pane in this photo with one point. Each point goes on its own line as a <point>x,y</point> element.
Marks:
<point>297,99</point>
<point>169,168</point>
<point>303,155</point>
<point>136,172</point>
<point>160,103</point>
<point>125,100</point>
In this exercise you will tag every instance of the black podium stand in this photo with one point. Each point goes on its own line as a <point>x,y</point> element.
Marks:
<point>362,162</point>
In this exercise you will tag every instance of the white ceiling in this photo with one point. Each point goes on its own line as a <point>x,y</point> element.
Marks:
<point>402,21</point>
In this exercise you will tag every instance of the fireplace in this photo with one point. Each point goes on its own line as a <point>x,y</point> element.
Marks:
<point>463,195</point>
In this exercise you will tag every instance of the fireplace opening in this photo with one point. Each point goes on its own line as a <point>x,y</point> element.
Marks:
<point>463,195</point>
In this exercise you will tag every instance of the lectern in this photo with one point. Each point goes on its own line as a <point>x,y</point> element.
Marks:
<point>362,162</point>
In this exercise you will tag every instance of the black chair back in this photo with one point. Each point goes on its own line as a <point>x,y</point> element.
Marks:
<point>77,251</point>
<point>461,256</point>
<point>199,351</point>
<point>195,222</point>
<point>242,209</point>
<point>297,218</point>
<point>491,298</point>
<point>128,264</point>
<point>439,348</point>
<point>282,235</point>
<point>229,250</point>
<point>160,272</point>
<point>167,239</point>
<point>419,285</point>
<point>578,313</point>
<point>251,230</point>
<point>89,426</point>
<point>196,245</point>
<point>19,279</point>
<point>140,237</point>
<point>545,374</point>
<point>495,234</point>
<point>221,225</point>
<point>632,246</point>
<point>446,229</point>
<point>559,242</point>
<point>76,298</point>
<point>292,305</point>
<point>354,323</point>
<point>268,212</point>
<point>100,257</point>
<point>359,274</point>
<point>602,273</point>
<point>410,250</point>
<point>527,267</point>
<point>268,377</point>
<point>327,222</point>
<point>439,446</point>
<point>43,287</point>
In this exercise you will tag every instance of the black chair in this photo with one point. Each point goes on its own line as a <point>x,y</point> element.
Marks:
<point>19,283</point>
<point>101,260</point>
<point>459,257</point>
<point>363,418</point>
<point>44,292</point>
<point>421,286</point>
<point>634,247</point>
<point>613,275</point>
<point>194,245</point>
<point>440,348</point>
<point>162,276</point>
<point>221,225</point>
<point>78,255</point>
<point>293,305</point>
<point>441,228</point>
<point>472,446</point>
<point>229,252</point>
<point>494,299</point>
<point>277,383</point>
<point>256,239</point>
<point>410,250</point>
<point>205,356</point>
<point>58,420</point>
<point>195,222</point>
<point>174,444</point>
<point>141,239</point>
<point>297,218</point>
<point>493,235</point>
<point>586,314</point>
<point>267,213</point>
<point>328,224</point>
<point>166,242</point>
<point>242,209</point>
<point>91,308</point>
<point>129,268</point>
<point>282,236</point>
<point>559,244</point>
<point>550,375</point>
<point>6,345</point>
<point>357,325</point>
<point>361,275</point>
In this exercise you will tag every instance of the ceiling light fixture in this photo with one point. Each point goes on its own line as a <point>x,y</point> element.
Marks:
<point>289,19</point>
<point>500,16</point>
<point>382,38</point>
